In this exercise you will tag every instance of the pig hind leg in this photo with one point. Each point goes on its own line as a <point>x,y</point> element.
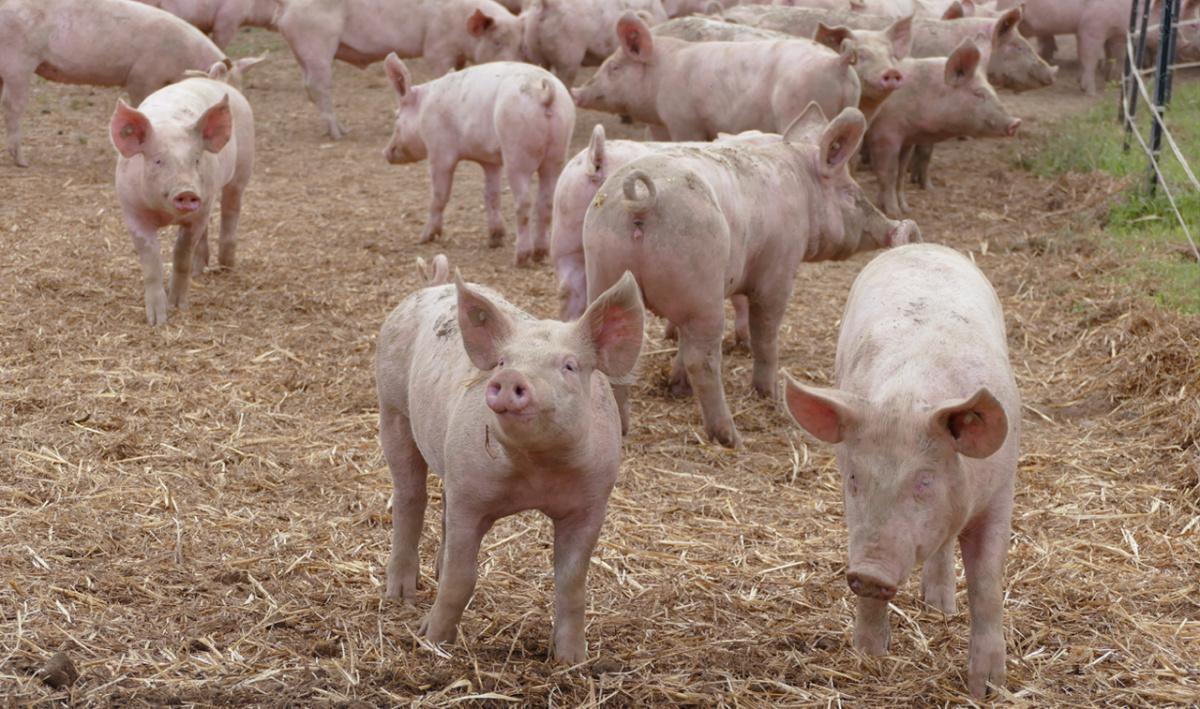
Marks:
<point>885,163</point>
<point>519,179</point>
<point>1114,55</point>
<point>1091,53</point>
<point>919,167</point>
<point>456,583</point>
<point>491,203</point>
<point>441,173</point>
<point>741,321</point>
<point>906,156</point>
<point>938,581</point>
<point>14,94</point>
<point>314,49</point>
<point>409,472</point>
<point>700,349</point>
<point>548,174</point>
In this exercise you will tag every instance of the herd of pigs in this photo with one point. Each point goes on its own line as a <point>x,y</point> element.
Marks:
<point>757,113</point>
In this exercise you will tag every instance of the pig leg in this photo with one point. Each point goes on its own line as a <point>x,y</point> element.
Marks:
<point>741,321</point>
<point>984,549</point>
<point>519,178</point>
<point>460,552</point>
<point>1047,46</point>
<point>200,255</point>
<point>315,56</point>
<point>548,174</point>
<point>1114,55</point>
<point>574,539</point>
<point>225,26</point>
<point>491,203</point>
<point>1091,53</point>
<point>145,242</point>
<point>922,156</point>
<point>938,581</point>
<point>885,162</point>
<point>659,133</point>
<point>871,629</point>
<point>572,285</point>
<point>231,211</point>
<point>766,314</point>
<point>409,472</point>
<point>190,233</point>
<point>14,93</point>
<point>441,173</point>
<point>901,172</point>
<point>700,346</point>
<point>678,382</point>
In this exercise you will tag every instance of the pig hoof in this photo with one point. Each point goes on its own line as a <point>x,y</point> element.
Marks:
<point>496,238</point>
<point>523,258</point>
<point>941,599</point>
<point>540,254</point>
<point>572,655</point>
<point>872,642</point>
<point>986,667</point>
<point>20,160</point>
<point>726,435</point>
<point>156,310</point>
<point>428,234</point>
<point>436,635</point>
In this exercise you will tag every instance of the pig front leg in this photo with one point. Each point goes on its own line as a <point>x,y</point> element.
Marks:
<point>938,581</point>
<point>231,212</point>
<point>456,584</point>
<point>189,234</point>
<point>574,539</point>
<point>145,242</point>
<point>441,173</point>
<point>766,314</point>
<point>906,155</point>
<point>200,255</point>
<point>922,156</point>
<point>14,94</point>
<point>984,550</point>
<point>409,472</point>
<point>885,163</point>
<point>1091,53</point>
<point>700,347</point>
<point>741,321</point>
<point>491,203</point>
<point>871,629</point>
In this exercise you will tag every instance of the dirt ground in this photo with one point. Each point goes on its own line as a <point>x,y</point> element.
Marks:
<point>197,514</point>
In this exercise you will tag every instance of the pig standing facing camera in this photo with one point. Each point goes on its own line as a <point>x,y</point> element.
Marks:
<point>926,417</point>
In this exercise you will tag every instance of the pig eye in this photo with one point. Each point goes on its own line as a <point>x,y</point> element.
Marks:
<point>924,483</point>
<point>571,365</point>
<point>158,161</point>
<point>500,363</point>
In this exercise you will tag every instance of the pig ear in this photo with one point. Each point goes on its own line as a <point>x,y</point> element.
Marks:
<point>840,140</point>
<point>825,413</point>
<point>807,126</point>
<point>900,35</point>
<point>978,425</point>
<point>858,6</point>
<point>635,37</point>
<point>613,325</point>
<point>954,12</point>
<point>484,326</point>
<point>241,66</point>
<point>215,126</point>
<point>969,9</point>
<point>1006,24</point>
<point>831,37</point>
<point>479,23</point>
<point>595,160</point>
<point>961,65</point>
<point>397,73</point>
<point>130,130</point>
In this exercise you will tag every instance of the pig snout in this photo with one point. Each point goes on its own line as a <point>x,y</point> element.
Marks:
<point>509,392</point>
<point>186,201</point>
<point>1012,127</point>
<point>904,232</point>
<point>891,80</point>
<point>870,584</point>
<point>575,96</point>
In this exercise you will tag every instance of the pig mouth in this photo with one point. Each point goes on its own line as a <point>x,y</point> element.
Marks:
<point>869,582</point>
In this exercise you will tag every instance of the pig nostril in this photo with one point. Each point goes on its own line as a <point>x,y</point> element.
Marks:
<point>519,391</point>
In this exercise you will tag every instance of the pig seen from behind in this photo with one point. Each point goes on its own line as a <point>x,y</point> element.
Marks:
<point>513,413</point>
<point>925,415</point>
<point>503,115</point>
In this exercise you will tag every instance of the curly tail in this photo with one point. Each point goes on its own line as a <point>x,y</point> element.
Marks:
<point>634,203</point>
<point>440,275</point>
<point>546,92</point>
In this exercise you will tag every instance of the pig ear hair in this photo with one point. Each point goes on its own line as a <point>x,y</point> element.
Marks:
<point>634,35</point>
<point>484,327</point>
<point>954,12</point>
<point>978,425</point>
<point>807,126</point>
<point>901,36</point>
<point>832,37</point>
<point>595,161</point>
<point>962,63</point>
<point>840,140</point>
<point>215,126</point>
<point>613,324</point>
<point>1007,23</point>
<point>824,413</point>
<point>478,23</point>
<point>397,73</point>
<point>130,130</point>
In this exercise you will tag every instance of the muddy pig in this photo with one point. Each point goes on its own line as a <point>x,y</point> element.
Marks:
<point>926,418</point>
<point>515,414</point>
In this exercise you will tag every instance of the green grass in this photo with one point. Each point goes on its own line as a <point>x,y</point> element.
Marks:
<point>1140,226</point>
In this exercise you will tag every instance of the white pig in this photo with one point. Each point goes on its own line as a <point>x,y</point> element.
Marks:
<point>514,414</point>
<point>563,35</point>
<point>502,115</point>
<point>184,147</point>
<point>220,18</point>
<point>926,418</point>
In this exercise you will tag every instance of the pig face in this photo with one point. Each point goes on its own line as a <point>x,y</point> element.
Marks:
<point>902,476</point>
<point>178,162</point>
<point>625,82</point>
<point>1014,64</point>
<point>497,39</point>
<point>406,145</point>
<point>873,54</point>
<point>539,372</point>
<point>967,102</point>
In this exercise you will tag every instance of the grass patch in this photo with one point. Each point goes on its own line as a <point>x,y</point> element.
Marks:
<point>1141,226</point>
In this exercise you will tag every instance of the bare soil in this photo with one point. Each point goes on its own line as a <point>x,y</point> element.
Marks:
<point>197,514</point>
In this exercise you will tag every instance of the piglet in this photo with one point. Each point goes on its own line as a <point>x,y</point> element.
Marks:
<point>926,417</point>
<point>186,145</point>
<point>514,413</point>
<point>501,115</point>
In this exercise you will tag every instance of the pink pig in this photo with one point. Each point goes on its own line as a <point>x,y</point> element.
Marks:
<point>563,35</point>
<point>515,414</point>
<point>447,33</point>
<point>699,224</point>
<point>694,90</point>
<point>502,115</point>
<point>143,49</point>
<point>1099,27</point>
<point>185,146</point>
<point>926,417</point>
<point>221,18</point>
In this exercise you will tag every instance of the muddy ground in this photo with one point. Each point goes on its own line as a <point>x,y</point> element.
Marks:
<point>198,513</point>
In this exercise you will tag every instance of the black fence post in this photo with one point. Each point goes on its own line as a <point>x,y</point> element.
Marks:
<point>1132,88</point>
<point>1161,81</point>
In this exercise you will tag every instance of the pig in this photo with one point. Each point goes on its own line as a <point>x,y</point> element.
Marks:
<point>502,115</point>
<point>704,29</point>
<point>513,413</point>
<point>699,224</point>
<point>57,40</point>
<point>746,85</point>
<point>926,417</point>
<point>448,34</point>
<point>220,18</point>
<point>945,98</point>
<point>1099,27</point>
<point>563,35</point>
<point>183,147</point>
